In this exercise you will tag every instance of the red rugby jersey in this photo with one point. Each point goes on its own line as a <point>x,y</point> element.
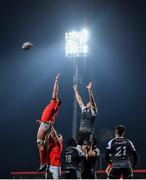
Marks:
<point>50,111</point>
<point>54,154</point>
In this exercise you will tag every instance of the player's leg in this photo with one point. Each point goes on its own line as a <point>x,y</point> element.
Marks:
<point>114,174</point>
<point>127,173</point>
<point>72,174</point>
<point>78,174</point>
<point>75,174</point>
<point>55,171</point>
<point>42,131</point>
<point>87,138</point>
<point>83,138</point>
<point>80,140</point>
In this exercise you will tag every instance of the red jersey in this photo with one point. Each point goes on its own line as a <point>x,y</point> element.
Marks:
<point>50,112</point>
<point>54,153</point>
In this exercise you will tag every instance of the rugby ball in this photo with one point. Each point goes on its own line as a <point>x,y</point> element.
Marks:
<point>27,45</point>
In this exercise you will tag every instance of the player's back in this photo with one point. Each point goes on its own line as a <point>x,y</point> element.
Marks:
<point>73,157</point>
<point>121,152</point>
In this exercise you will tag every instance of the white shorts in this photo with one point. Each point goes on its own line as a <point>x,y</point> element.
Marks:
<point>56,171</point>
<point>44,128</point>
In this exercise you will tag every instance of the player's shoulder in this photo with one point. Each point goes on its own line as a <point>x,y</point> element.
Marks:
<point>73,149</point>
<point>130,142</point>
<point>53,100</point>
<point>77,149</point>
<point>69,150</point>
<point>94,111</point>
<point>83,108</point>
<point>110,142</point>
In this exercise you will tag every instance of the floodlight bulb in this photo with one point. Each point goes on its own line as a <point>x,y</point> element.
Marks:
<point>76,43</point>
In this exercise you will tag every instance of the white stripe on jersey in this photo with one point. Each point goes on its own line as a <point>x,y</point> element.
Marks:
<point>93,111</point>
<point>132,145</point>
<point>110,144</point>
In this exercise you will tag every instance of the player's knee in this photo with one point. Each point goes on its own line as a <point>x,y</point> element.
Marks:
<point>40,142</point>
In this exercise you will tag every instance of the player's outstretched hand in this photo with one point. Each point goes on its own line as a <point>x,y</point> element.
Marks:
<point>58,76</point>
<point>75,86</point>
<point>89,86</point>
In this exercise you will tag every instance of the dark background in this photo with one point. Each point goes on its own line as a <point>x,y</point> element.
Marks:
<point>115,63</point>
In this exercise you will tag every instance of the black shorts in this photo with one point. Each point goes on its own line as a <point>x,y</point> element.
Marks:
<point>84,138</point>
<point>89,174</point>
<point>72,174</point>
<point>126,173</point>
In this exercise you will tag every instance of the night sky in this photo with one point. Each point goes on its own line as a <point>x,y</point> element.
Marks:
<point>115,63</point>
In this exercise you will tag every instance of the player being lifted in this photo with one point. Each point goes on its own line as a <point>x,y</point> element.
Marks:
<point>88,115</point>
<point>48,117</point>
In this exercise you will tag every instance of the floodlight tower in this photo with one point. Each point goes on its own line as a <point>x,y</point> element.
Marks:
<point>76,47</point>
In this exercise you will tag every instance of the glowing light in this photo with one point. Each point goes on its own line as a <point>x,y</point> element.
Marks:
<point>76,43</point>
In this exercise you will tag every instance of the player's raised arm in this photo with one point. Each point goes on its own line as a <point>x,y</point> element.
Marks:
<point>91,97</point>
<point>55,88</point>
<point>57,136</point>
<point>78,97</point>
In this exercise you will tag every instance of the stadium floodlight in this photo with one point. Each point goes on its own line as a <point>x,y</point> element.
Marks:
<point>76,43</point>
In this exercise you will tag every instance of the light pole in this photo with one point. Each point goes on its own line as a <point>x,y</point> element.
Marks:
<point>75,106</point>
<point>76,47</point>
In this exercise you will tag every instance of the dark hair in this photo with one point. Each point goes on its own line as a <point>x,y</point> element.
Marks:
<point>94,141</point>
<point>71,142</point>
<point>120,129</point>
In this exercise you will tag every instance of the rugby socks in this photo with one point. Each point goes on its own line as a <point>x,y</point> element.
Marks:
<point>42,152</point>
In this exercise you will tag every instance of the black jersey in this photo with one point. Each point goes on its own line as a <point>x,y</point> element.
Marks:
<point>73,157</point>
<point>120,151</point>
<point>87,120</point>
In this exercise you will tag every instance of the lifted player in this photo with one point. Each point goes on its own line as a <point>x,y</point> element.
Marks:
<point>48,118</point>
<point>88,115</point>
